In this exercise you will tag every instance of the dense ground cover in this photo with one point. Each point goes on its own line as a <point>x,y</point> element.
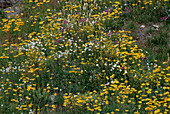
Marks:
<point>86,56</point>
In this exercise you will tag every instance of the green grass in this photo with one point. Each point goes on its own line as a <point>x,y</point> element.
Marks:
<point>131,26</point>
<point>86,56</point>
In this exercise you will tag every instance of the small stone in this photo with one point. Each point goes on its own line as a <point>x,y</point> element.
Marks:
<point>52,97</point>
<point>142,26</point>
<point>155,27</point>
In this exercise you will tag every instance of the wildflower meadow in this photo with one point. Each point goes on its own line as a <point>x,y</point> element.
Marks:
<point>85,57</point>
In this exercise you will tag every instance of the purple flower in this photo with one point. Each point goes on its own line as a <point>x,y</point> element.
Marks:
<point>81,20</point>
<point>73,1</point>
<point>116,42</point>
<point>84,19</point>
<point>79,13</point>
<point>63,10</point>
<point>122,67</point>
<point>146,57</point>
<point>63,29</point>
<point>142,58</point>
<point>65,22</point>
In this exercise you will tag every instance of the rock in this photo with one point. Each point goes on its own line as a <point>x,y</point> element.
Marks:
<point>7,3</point>
<point>52,97</point>
<point>142,26</point>
<point>13,10</point>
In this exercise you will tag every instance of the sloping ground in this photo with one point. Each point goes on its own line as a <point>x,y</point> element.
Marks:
<point>144,35</point>
<point>11,9</point>
<point>76,64</point>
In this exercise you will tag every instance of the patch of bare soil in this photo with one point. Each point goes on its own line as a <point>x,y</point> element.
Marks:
<point>142,36</point>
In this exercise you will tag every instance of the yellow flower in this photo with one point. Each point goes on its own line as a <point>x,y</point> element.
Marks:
<point>107,102</point>
<point>112,76</point>
<point>46,105</point>
<point>28,98</point>
<point>55,94</point>
<point>28,88</point>
<point>116,109</point>
<point>30,105</point>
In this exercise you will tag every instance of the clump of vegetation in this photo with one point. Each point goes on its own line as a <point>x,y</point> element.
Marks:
<point>74,57</point>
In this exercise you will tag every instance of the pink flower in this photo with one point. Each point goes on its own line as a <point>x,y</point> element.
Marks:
<point>164,18</point>
<point>128,11</point>
<point>58,41</point>
<point>110,9</point>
